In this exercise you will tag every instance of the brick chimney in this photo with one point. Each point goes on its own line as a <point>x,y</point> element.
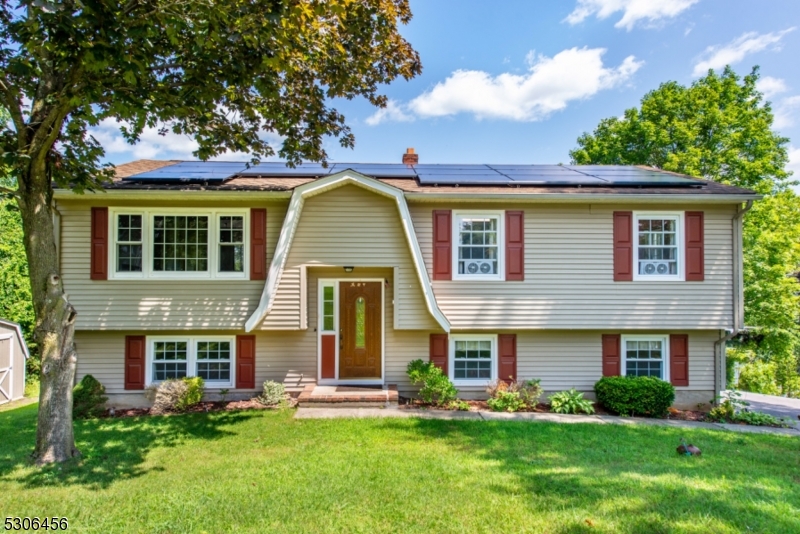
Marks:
<point>409,158</point>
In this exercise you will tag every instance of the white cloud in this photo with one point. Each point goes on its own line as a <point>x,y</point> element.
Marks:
<point>716,57</point>
<point>771,86</point>
<point>150,146</point>
<point>633,11</point>
<point>392,112</point>
<point>548,86</point>
<point>794,161</point>
<point>786,112</point>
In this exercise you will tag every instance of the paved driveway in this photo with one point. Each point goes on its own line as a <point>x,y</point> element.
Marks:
<point>773,405</point>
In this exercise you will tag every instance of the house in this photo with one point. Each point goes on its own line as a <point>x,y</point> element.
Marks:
<point>13,354</point>
<point>340,276</point>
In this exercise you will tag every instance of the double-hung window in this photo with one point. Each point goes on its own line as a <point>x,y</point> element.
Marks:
<point>478,250</point>
<point>645,356</point>
<point>473,359</point>
<point>658,246</point>
<point>179,243</point>
<point>209,357</point>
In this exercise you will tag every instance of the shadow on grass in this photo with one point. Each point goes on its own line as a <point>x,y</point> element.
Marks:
<point>111,449</point>
<point>741,483</point>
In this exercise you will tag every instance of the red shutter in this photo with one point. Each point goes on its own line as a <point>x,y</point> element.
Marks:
<point>611,354</point>
<point>679,359</point>
<point>245,362</point>
<point>695,256</point>
<point>134,362</point>
<point>258,244</point>
<point>439,351</point>
<point>623,246</point>
<point>98,269</point>
<point>515,245</point>
<point>507,357</point>
<point>442,245</point>
<point>328,367</point>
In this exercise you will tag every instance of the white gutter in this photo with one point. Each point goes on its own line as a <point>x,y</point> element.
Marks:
<point>738,296</point>
<point>170,194</point>
<point>594,198</point>
<point>290,226</point>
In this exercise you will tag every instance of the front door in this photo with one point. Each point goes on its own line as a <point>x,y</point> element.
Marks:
<point>360,316</point>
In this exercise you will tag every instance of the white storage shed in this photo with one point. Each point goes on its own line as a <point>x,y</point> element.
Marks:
<point>13,353</point>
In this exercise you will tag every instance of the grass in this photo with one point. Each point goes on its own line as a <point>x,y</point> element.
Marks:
<point>267,472</point>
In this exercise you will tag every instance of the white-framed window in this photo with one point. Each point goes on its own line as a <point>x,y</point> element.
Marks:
<point>179,243</point>
<point>473,359</point>
<point>478,245</point>
<point>658,246</point>
<point>209,357</point>
<point>646,355</point>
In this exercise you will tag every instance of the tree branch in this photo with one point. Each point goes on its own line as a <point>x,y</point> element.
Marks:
<point>11,102</point>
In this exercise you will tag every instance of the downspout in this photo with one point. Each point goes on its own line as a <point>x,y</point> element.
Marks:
<point>738,298</point>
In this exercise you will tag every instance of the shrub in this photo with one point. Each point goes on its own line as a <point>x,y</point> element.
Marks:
<point>758,419</point>
<point>87,398</point>
<point>274,393</point>
<point>459,405</point>
<point>195,387</point>
<point>506,401</point>
<point>758,377</point>
<point>436,387</point>
<point>514,395</point>
<point>570,402</point>
<point>635,395</point>
<point>175,394</point>
<point>727,406</point>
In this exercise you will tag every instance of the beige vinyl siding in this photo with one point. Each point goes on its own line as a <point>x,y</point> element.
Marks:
<point>349,226</point>
<point>562,360</point>
<point>148,303</point>
<point>569,276</point>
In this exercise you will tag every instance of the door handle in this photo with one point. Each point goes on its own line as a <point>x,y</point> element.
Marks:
<point>341,343</point>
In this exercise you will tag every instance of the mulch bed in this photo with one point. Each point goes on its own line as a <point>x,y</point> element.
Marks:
<point>207,407</point>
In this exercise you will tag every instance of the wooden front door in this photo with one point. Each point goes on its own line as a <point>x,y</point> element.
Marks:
<point>361,318</point>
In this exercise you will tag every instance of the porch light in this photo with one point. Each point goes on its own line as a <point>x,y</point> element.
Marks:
<point>348,268</point>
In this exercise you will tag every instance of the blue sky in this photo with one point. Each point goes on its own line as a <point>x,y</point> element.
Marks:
<point>518,81</point>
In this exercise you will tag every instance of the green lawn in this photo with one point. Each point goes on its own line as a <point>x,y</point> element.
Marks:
<point>266,472</point>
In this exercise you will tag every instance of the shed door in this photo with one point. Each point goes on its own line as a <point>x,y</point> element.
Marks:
<point>5,370</point>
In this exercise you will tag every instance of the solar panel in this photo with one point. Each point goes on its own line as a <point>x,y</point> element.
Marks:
<point>428,174</point>
<point>190,171</point>
<point>278,168</point>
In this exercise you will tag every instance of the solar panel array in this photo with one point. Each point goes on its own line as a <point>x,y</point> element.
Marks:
<point>428,174</point>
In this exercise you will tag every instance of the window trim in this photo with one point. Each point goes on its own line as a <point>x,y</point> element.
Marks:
<point>451,356</point>
<point>191,357</point>
<point>148,244</point>
<point>664,338</point>
<point>458,216</point>
<point>679,217</point>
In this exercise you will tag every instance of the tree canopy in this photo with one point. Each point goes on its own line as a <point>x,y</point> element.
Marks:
<point>719,128</point>
<point>221,71</point>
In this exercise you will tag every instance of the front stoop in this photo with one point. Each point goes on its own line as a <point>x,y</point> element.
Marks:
<point>347,397</point>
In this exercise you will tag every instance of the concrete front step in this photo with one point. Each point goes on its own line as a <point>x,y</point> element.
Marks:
<point>314,396</point>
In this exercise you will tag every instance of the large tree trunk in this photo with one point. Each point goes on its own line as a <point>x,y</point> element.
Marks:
<point>55,319</point>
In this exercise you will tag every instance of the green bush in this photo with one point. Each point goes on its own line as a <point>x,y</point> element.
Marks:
<point>193,394</point>
<point>436,387</point>
<point>635,395</point>
<point>87,398</point>
<point>274,393</point>
<point>513,395</point>
<point>758,419</point>
<point>758,377</point>
<point>571,401</point>
<point>506,401</point>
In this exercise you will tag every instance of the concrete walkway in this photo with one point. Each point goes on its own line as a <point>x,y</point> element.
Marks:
<point>774,405</point>
<point>362,413</point>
